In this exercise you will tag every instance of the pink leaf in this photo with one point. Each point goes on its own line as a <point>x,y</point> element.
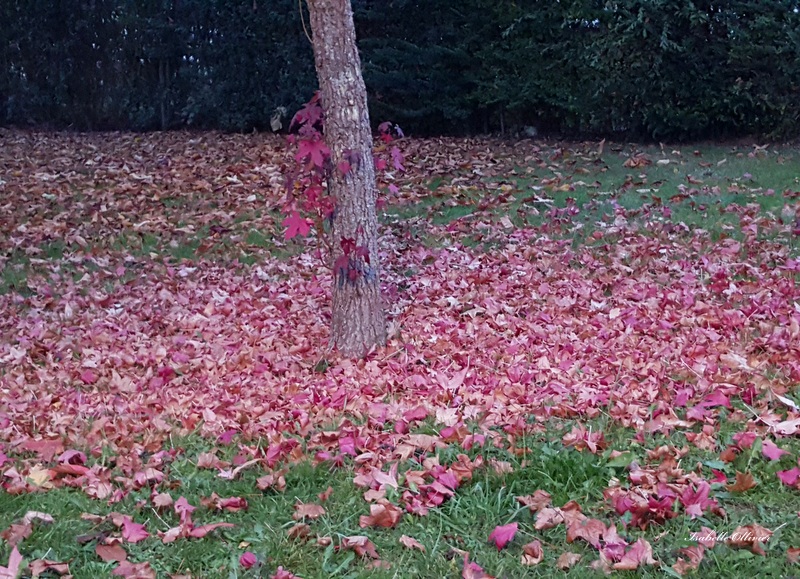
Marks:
<point>472,570</point>
<point>203,530</point>
<point>771,450</point>
<point>133,532</point>
<point>789,477</point>
<point>397,159</point>
<point>640,553</point>
<point>88,377</point>
<point>247,559</point>
<point>502,535</point>
<point>14,562</point>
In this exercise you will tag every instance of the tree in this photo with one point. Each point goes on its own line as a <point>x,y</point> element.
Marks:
<point>358,321</point>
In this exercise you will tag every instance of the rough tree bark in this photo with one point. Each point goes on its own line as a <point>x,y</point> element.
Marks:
<point>358,321</point>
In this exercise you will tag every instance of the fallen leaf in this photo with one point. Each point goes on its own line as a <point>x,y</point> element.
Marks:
<point>752,537</point>
<point>40,566</point>
<point>298,531</point>
<point>111,553</point>
<point>694,556</point>
<point>535,502</point>
<point>567,560</point>
<point>532,553</point>
<point>362,546</point>
<point>307,510</point>
<point>502,535</point>
<point>771,450</point>
<point>640,553</point>
<point>130,570</point>
<point>411,543</point>
<point>383,514</point>
<point>247,559</point>
<point>133,532</point>
<point>14,562</point>
<point>744,482</point>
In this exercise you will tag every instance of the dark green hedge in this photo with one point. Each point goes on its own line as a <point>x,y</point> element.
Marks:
<point>648,69</point>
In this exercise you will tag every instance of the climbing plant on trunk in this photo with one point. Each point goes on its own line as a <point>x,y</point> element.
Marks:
<point>345,158</point>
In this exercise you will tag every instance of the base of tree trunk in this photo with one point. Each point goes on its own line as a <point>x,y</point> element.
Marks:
<point>358,322</point>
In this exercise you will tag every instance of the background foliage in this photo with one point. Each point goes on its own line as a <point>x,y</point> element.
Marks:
<point>646,69</point>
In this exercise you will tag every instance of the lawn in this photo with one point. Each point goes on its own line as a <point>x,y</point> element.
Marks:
<point>594,364</point>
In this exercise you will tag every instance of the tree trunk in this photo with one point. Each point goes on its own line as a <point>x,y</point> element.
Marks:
<point>358,321</point>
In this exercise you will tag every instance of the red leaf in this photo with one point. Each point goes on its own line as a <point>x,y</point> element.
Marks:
<point>281,573</point>
<point>473,570</point>
<point>397,159</point>
<point>295,225</point>
<point>185,510</point>
<point>314,150</point>
<point>502,535</point>
<point>695,554</point>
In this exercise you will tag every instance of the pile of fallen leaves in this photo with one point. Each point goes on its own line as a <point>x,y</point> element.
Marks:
<point>657,328</point>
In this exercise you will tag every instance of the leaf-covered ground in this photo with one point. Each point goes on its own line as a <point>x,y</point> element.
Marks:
<point>593,367</point>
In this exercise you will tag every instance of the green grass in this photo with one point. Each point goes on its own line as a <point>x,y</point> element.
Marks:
<point>597,184</point>
<point>462,524</point>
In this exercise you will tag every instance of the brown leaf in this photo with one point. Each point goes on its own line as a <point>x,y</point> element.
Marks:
<point>16,533</point>
<point>547,518</point>
<point>590,530</point>
<point>274,480</point>
<point>744,482</point>
<point>532,553</point>
<point>299,531</point>
<point>567,560</point>
<point>729,454</point>
<point>750,537</point>
<point>135,570</point>
<point>40,566</point>
<point>411,543</point>
<point>111,553</point>
<point>361,545</point>
<point>695,555</point>
<point>535,502</point>
<point>307,510</point>
<point>383,514</point>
